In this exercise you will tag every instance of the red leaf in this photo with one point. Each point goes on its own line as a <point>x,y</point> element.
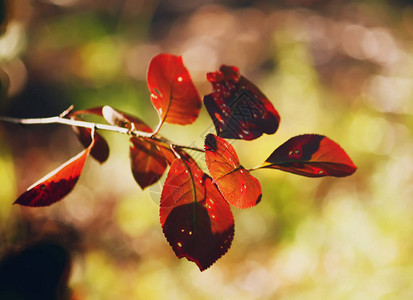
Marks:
<point>97,111</point>
<point>236,184</point>
<point>100,150</point>
<point>237,107</point>
<point>57,184</point>
<point>173,94</point>
<point>196,220</point>
<point>149,160</point>
<point>311,155</point>
<point>121,119</point>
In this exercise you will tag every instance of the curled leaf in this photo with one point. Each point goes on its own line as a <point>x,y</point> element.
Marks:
<point>196,220</point>
<point>57,184</point>
<point>311,155</point>
<point>121,119</point>
<point>236,184</point>
<point>173,93</point>
<point>237,107</point>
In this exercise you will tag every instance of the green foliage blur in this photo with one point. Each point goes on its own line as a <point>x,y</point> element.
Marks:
<point>339,68</point>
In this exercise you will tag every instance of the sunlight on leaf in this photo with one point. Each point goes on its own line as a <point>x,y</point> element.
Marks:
<point>173,94</point>
<point>196,220</point>
<point>237,107</point>
<point>236,184</point>
<point>311,155</point>
<point>57,184</point>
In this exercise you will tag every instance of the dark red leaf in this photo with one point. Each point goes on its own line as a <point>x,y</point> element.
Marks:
<point>100,150</point>
<point>57,184</point>
<point>311,155</point>
<point>173,94</point>
<point>236,184</point>
<point>121,119</point>
<point>97,111</point>
<point>149,159</point>
<point>196,220</point>
<point>237,107</point>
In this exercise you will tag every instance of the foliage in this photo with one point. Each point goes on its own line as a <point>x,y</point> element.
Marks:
<point>195,211</point>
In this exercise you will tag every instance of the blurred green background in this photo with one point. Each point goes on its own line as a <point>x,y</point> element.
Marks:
<point>339,68</point>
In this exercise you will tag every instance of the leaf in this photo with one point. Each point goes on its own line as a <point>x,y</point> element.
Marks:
<point>311,155</point>
<point>237,107</point>
<point>57,184</point>
<point>196,220</point>
<point>173,94</point>
<point>149,160</point>
<point>236,184</point>
<point>100,150</point>
<point>121,119</point>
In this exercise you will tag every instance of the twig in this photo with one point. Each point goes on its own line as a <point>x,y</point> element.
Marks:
<point>99,126</point>
<point>71,122</point>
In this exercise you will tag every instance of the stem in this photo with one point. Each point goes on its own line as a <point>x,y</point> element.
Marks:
<point>78,123</point>
<point>255,168</point>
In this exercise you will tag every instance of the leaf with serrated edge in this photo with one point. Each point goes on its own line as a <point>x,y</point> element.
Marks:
<point>196,220</point>
<point>57,184</point>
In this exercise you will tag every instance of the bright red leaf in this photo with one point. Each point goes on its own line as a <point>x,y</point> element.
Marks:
<point>57,184</point>
<point>236,184</point>
<point>100,150</point>
<point>311,155</point>
<point>237,107</point>
<point>196,220</point>
<point>173,93</point>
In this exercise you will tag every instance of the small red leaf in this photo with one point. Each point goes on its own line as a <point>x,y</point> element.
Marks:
<point>100,150</point>
<point>173,94</point>
<point>149,160</point>
<point>311,155</point>
<point>237,107</point>
<point>57,184</point>
<point>196,220</point>
<point>236,184</point>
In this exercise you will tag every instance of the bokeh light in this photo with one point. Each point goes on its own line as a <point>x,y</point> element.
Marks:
<point>339,68</point>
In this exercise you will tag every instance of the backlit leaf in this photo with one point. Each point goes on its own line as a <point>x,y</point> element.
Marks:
<point>236,184</point>
<point>311,155</point>
<point>173,94</point>
<point>196,219</point>
<point>237,107</point>
<point>57,184</point>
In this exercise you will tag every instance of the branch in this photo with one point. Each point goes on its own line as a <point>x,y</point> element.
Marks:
<point>78,123</point>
